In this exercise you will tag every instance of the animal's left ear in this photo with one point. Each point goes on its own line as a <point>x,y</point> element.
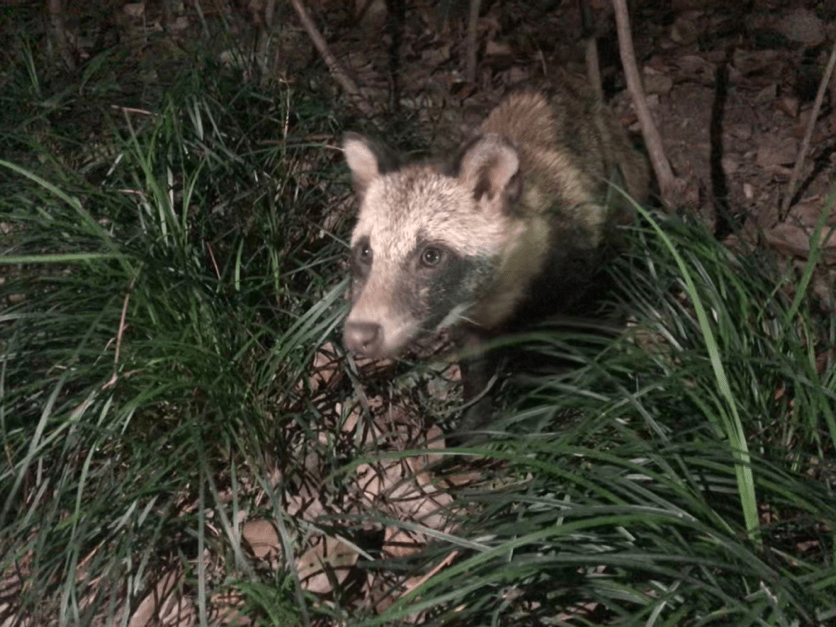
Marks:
<point>490,166</point>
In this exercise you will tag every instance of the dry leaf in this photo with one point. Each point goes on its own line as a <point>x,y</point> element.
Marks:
<point>807,212</point>
<point>325,368</point>
<point>803,26</point>
<point>752,61</point>
<point>685,28</point>
<point>497,49</point>
<point>796,240</point>
<point>262,538</point>
<point>774,151</point>
<point>789,105</point>
<point>165,605</point>
<point>227,609</point>
<point>328,557</point>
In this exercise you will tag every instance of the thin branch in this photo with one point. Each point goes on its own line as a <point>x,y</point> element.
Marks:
<point>119,334</point>
<point>58,32</point>
<point>340,75</point>
<point>808,135</point>
<point>593,65</point>
<point>472,31</point>
<point>669,186</point>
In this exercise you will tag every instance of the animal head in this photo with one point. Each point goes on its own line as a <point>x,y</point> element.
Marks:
<point>429,243</point>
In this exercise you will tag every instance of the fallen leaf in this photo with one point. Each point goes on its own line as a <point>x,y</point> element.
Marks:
<point>685,28</point>
<point>165,605</point>
<point>262,538</point>
<point>807,211</point>
<point>328,558</point>
<point>795,240</point>
<point>751,61</point>
<point>498,49</point>
<point>774,151</point>
<point>803,26</point>
<point>788,105</point>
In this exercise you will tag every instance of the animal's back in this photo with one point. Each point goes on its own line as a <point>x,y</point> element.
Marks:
<point>571,150</point>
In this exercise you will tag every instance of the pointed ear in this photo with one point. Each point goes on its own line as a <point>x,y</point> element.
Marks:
<point>490,166</point>
<point>367,160</point>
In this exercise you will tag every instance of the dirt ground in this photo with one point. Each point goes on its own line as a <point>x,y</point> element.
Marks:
<point>731,87</point>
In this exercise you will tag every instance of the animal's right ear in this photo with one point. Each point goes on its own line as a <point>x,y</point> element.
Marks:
<point>490,166</point>
<point>367,160</point>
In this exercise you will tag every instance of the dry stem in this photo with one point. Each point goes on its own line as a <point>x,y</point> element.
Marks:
<point>337,70</point>
<point>669,185</point>
<point>472,31</point>
<point>805,144</point>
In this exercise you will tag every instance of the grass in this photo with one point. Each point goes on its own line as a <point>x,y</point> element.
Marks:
<point>143,342</point>
<point>172,266</point>
<point>634,509</point>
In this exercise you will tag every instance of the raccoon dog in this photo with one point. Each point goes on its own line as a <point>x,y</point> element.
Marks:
<point>517,222</point>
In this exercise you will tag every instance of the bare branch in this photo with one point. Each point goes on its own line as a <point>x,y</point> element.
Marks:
<point>58,32</point>
<point>669,185</point>
<point>472,31</point>
<point>808,135</point>
<point>337,70</point>
<point>593,65</point>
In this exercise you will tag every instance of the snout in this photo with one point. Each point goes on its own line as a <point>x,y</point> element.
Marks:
<point>364,339</point>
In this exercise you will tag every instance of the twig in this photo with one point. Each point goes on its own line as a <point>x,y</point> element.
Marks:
<point>395,17</point>
<point>593,65</point>
<point>669,186</point>
<point>269,11</point>
<point>119,333</point>
<point>200,16</point>
<point>808,135</point>
<point>472,31</point>
<point>58,32</point>
<point>412,584</point>
<point>337,70</point>
<point>264,28</point>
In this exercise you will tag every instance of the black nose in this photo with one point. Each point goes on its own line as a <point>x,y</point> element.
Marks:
<point>363,338</point>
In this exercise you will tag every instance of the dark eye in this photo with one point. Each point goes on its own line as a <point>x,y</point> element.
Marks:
<point>431,256</point>
<point>364,253</point>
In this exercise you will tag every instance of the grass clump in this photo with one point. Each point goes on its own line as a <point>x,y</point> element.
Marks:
<point>676,473</point>
<point>158,309</point>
